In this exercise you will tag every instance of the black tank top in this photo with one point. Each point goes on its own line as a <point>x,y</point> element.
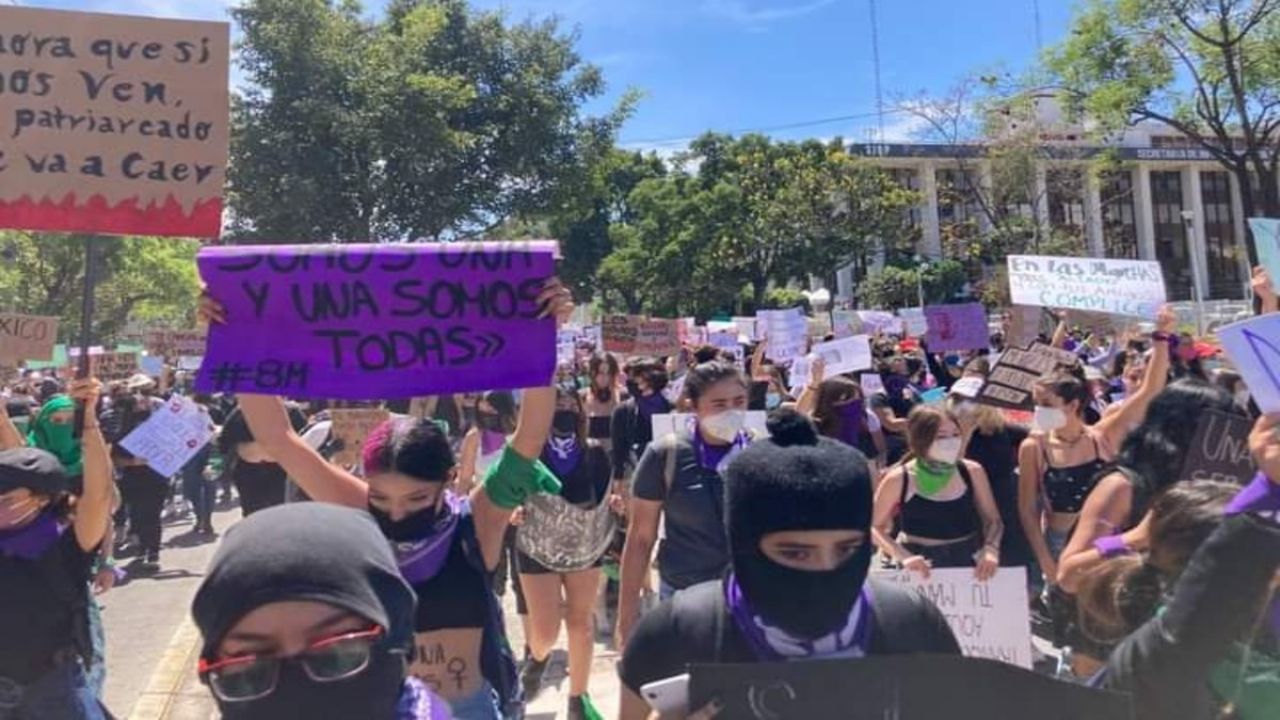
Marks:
<point>1066,488</point>
<point>454,598</point>
<point>939,520</point>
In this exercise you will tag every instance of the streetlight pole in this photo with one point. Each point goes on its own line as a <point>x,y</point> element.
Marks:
<point>1193,250</point>
<point>922,265</point>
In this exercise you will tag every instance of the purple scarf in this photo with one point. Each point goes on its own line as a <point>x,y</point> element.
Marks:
<point>714,458</point>
<point>773,645</point>
<point>419,703</point>
<point>419,561</point>
<point>650,405</point>
<point>491,441</point>
<point>563,455</point>
<point>32,540</point>
<point>853,421</point>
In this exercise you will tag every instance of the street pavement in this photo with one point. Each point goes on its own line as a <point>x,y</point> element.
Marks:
<point>152,647</point>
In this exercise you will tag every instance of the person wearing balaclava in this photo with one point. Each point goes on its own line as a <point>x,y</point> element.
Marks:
<point>304,614</point>
<point>46,561</point>
<point>776,604</point>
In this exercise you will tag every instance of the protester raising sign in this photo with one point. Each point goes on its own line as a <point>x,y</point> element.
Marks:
<point>634,335</point>
<point>1254,348</point>
<point>957,327</point>
<point>1010,382</point>
<point>1220,449</point>
<point>27,337</point>
<point>844,356</point>
<point>112,124</point>
<point>171,436</point>
<point>990,619</point>
<point>378,321</point>
<point>108,366</point>
<point>786,331</point>
<point>1119,287</point>
<point>897,687</point>
<point>174,343</point>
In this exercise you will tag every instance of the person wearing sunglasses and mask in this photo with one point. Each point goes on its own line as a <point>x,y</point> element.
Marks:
<point>798,516</point>
<point>447,547</point>
<point>679,481</point>
<point>560,543</point>
<point>46,562</point>
<point>631,429</point>
<point>838,407</point>
<point>304,614</point>
<point>943,504</point>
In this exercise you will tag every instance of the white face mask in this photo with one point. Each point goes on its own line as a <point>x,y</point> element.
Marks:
<point>945,450</point>
<point>1048,419</point>
<point>725,426</point>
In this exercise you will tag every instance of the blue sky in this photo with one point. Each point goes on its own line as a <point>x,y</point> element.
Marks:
<point>732,65</point>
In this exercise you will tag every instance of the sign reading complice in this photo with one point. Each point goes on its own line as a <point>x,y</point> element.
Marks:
<point>378,321</point>
<point>990,619</point>
<point>1119,287</point>
<point>112,124</point>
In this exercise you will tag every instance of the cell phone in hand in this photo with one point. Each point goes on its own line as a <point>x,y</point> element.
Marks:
<point>668,696</point>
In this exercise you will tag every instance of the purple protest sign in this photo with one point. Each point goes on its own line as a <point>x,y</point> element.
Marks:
<point>957,327</point>
<point>378,321</point>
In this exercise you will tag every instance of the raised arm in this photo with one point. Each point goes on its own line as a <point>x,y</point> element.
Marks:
<point>93,507</point>
<point>807,403</point>
<point>320,479</point>
<point>1115,427</point>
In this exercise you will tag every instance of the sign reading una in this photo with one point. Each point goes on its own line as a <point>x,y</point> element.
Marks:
<point>112,124</point>
<point>378,321</point>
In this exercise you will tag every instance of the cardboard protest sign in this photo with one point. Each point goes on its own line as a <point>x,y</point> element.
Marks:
<point>1220,449</point>
<point>1011,380</point>
<point>664,425</point>
<point>1266,238</point>
<point>845,356</point>
<point>112,124</point>
<point>174,343</point>
<point>108,366</point>
<point>787,332</point>
<point>350,427</point>
<point>917,325</point>
<point>618,333</point>
<point>897,687</point>
<point>957,327</point>
<point>378,321</point>
<point>171,436</point>
<point>990,619</point>
<point>657,337</point>
<point>1120,287</point>
<point>1254,348</point>
<point>27,337</point>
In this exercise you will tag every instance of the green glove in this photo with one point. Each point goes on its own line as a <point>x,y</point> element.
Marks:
<point>515,477</point>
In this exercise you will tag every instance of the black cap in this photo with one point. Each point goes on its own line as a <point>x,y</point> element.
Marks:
<point>34,469</point>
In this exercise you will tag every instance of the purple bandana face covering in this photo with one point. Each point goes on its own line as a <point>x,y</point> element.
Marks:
<point>563,455</point>
<point>651,405</point>
<point>34,539</point>
<point>420,560</point>
<point>853,419</point>
<point>770,644</point>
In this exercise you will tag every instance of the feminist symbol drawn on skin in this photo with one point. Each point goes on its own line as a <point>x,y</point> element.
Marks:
<point>457,667</point>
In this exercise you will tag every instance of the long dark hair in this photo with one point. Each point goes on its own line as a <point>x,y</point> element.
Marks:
<point>1155,452</point>
<point>833,391</point>
<point>417,448</point>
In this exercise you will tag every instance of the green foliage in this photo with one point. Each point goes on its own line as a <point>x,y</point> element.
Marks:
<point>898,287</point>
<point>139,279</point>
<point>434,122</point>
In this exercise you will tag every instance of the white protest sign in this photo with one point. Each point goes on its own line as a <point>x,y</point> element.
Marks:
<point>917,324</point>
<point>746,326</point>
<point>567,344</point>
<point>1254,348</point>
<point>801,373</point>
<point>968,387</point>
<point>664,425</point>
<point>787,332</point>
<point>1120,287</point>
<point>728,342</point>
<point>872,383</point>
<point>846,355</point>
<point>173,434</point>
<point>190,363</point>
<point>846,323</point>
<point>990,619</point>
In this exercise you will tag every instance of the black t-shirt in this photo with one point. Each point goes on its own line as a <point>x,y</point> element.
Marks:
<point>998,456</point>
<point>695,549</point>
<point>42,603</point>
<point>455,597</point>
<point>588,484</point>
<point>687,629</point>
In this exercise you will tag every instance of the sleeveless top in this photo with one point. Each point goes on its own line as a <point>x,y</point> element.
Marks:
<point>1067,487</point>
<point>939,520</point>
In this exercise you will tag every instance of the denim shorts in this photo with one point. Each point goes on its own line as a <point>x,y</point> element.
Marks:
<point>480,705</point>
<point>63,693</point>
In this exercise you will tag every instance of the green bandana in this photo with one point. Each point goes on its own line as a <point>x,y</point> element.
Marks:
<point>57,439</point>
<point>931,477</point>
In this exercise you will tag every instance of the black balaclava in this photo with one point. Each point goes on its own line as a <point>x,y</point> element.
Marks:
<point>797,480</point>
<point>312,552</point>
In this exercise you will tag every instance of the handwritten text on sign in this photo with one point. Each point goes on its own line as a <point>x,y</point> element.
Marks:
<point>1254,348</point>
<point>27,337</point>
<point>378,321</point>
<point>112,124</point>
<point>990,619</point>
<point>1220,449</point>
<point>1119,287</point>
<point>171,436</point>
<point>957,327</point>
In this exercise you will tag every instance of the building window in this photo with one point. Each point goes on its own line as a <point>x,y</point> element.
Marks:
<point>1171,235</point>
<point>1222,252</point>
<point>958,206</point>
<point>1065,187</point>
<point>1119,226</point>
<point>909,179</point>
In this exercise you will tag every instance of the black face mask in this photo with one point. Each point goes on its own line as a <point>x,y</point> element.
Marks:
<point>489,421</point>
<point>633,388</point>
<point>566,422</point>
<point>374,693</point>
<point>415,526</point>
<point>805,604</point>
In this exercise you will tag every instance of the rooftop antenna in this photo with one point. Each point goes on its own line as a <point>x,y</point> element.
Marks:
<point>875,59</point>
<point>1035,9</point>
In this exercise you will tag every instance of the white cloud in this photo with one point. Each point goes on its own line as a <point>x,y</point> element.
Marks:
<point>754,14</point>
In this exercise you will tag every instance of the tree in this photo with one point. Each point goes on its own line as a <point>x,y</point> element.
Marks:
<point>898,287</point>
<point>437,121</point>
<point>1209,69</point>
<point>138,278</point>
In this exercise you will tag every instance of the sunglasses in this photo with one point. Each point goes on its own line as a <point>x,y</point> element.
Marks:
<point>245,678</point>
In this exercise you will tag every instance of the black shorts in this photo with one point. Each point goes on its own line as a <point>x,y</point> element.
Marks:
<point>526,565</point>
